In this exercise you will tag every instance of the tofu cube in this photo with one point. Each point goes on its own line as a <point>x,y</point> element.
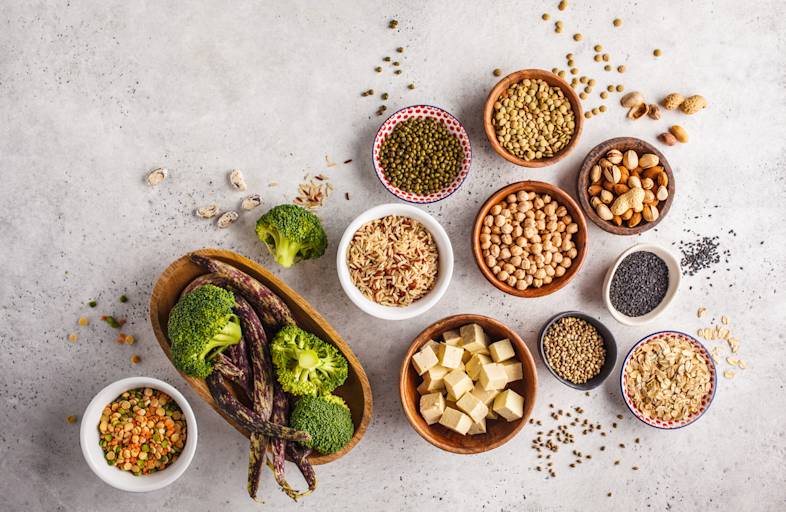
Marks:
<point>455,420</point>
<point>475,363</point>
<point>450,356</point>
<point>466,356</point>
<point>493,376</point>
<point>431,407</point>
<point>473,407</point>
<point>514,370</point>
<point>501,350</point>
<point>424,360</point>
<point>457,383</point>
<point>487,397</point>
<point>423,388</point>
<point>478,427</point>
<point>509,405</point>
<point>452,337</point>
<point>474,339</point>
<point>433,378</point>
<point>492,415</point>
<point>434,346</point>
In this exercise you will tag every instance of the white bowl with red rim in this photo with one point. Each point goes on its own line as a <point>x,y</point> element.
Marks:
<point>706,401</point>
<point>421,112</point>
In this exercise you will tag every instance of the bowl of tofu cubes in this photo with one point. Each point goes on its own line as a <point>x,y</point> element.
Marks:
<point>468,384</point>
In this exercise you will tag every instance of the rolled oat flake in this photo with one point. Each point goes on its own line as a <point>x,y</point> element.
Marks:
<point>639,284</point>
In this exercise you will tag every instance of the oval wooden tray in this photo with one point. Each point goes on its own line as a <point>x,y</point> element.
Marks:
<point>499,431</point>
<point>356,391</point>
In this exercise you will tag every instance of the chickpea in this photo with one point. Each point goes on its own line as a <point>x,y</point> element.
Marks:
<point>572,253</point>
<point>521,284</point>
<point>566,245</point>
<point>521,195</point>
<point>504,253</point>
<point>502,275</point>
<point>516,251</point>
<point>541,225</point>
<point>496,230</point>
<point>496,269</point>
<point>511,198</point>
<point>494,249</point>
<point>539,215</point>
<point>518,231</point>
<point>550,208</point>
<point>499,220</point>
<point>557,258</point>
<point>546,198</point>
<point>485,237</point>
<point>566,262</point>
<point>547,280</point>
<point>531,195</point>
<point>549,271</point>
<point>547,258</point>
<point>537,283</point>
<point>507,267</point>
<point>559,271</point>
<point>520,274</point>
<point>485,245</point>
<point>506,239</point>
<point>552,226</point>
<point>508,228</point>
<point>567,219</point>
<point>561,211</point>
<point>485,229</point>
<point>525,264</point>
<point>488,220</point>
<point>495,239</point>
<point>495,210</point>
<point>572,228</point>
<point>521,241</point>
<point>561,227</point>
<point>540,273</point>
<point>530,214</point>
<point>540,260</point>
<point>538,203</point>
<point>530,232</point>
<point>520,216</point>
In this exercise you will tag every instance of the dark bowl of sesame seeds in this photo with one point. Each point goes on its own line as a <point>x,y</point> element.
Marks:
<point>577,349</point>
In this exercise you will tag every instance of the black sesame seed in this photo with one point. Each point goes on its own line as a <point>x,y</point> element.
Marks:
<point>639,284</point>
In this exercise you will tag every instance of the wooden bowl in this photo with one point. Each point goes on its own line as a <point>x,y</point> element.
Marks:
<point>580,238</point>
<point>499,431</point>
<point>356,391</point>
<point>622,144</point>
<point>551,79</point>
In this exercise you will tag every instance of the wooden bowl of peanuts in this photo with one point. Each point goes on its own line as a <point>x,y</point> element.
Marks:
<point>625,186</point>
<point>529,239</point>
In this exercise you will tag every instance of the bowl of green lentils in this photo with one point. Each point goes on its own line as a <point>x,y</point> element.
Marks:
<point>421,154</point>
<point>533,118</point>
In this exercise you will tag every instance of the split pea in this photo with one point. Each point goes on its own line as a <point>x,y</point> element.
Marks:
<point>617,22</point>
<point>607,67</point>
<point>563,5</point>
<point>598,58</point>
<point>620,88</point>
<point>545,16</point>
<point>497,72</point>
<point>577,37</point>
<point>598,48</point>
<point>621,69</point>
<point>657,52</point>
<point>602,108</point>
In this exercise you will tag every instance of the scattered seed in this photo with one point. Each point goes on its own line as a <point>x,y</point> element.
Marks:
<point>622,445</point>
<point>657,52</point>
<point>400,49</point>
<point>608,494</point>
<point>227,219</point>
<point>607,67</point>
<point>577,37</point>
<point>378,69</point>
<point>545,16</point>
<point>123,298</point>
<point>636,440</point>
<point>728,374</point>
<point>617,22</point>
<point>72,338</point>
<point>135,359</point>
<point>616,463</point>
<point>603,448</point>
<point>71,419</point>
<point>92,303</point>
<point>156,176</point>
<point>602,108</point>
<point>346,196</point>
<point>701,311</point>
<point>386,59</point>
<point>497,72</point>
<point>397,72</point>
<point>396,63</point>
<point>83,321</point>
<point>621,69</point>
<point>411,86</point>
<point>393,24</point>
<point>130,340</point>
<point>562,5</point>
<point>620,88</point>
<point>236,180</point>
<point>251,202</point>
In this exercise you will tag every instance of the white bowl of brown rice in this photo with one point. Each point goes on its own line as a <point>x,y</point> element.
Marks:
<point>395,261</point>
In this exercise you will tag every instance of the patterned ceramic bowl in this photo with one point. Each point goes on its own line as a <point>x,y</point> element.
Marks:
<point>706,401</point>
<point>420,112</point>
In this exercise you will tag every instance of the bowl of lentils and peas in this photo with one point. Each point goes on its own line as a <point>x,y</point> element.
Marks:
<point>138,434</point>
<point>421,154</point>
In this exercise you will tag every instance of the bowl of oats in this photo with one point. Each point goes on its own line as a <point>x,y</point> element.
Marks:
<point>394,261</point>
<point>668,380</point>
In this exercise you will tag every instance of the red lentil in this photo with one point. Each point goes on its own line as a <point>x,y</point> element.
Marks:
<point>142,431</point>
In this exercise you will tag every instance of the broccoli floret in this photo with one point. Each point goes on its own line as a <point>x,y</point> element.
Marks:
<point>201,325</point>
<point>328,422</point>
<point>291,234</point>
<point>306,365</point>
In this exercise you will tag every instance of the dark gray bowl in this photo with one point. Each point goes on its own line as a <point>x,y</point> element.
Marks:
<point>608,341</point>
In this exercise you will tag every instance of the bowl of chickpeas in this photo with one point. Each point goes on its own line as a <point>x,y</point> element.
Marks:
<point>138,434</point>
<point>529,239</point>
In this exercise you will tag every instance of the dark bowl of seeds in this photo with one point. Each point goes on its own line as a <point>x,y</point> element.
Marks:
<point>421,154</point>
<point>641,284</point>
<point>577,349</point>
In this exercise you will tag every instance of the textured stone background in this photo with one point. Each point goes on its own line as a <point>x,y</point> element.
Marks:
<point>93,94</point>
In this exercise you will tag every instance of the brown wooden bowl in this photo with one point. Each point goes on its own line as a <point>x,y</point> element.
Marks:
<point>356,391</point>
<point>499,431</point>
<point>551,79</point>
<point>580,238</point>
<point>622,144</point>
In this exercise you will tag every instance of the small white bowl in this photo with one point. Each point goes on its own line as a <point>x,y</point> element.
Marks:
<point>445,262</point>
<point>94,455</point>
<point>675,275</point>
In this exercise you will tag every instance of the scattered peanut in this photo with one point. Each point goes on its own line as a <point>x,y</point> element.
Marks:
<point>679,133</point>
<point>667,138</point>
<point>672,101</point>
<point>693,104</point>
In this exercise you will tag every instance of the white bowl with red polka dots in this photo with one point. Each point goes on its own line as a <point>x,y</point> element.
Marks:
<point>706,401</point>
<point>421,112</point>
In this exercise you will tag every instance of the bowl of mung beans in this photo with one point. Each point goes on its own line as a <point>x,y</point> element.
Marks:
<point>138,434</point>
<point>533,118</point>
<point>421,154</point>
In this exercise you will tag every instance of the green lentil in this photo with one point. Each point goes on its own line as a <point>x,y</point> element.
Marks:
<point>411,86</point>
<point>497,72</point>
<point>400,49</point>
<point>421,156</point>
<point>123,298</point>
<point>92,303</point>
<point>386,59</point>
<point>396,63</point>
<point>378,69</point>
<point>393,24</point>
<point>397,72</point>
<point>384,96</point>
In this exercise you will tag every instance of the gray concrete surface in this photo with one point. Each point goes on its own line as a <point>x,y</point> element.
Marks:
<point>93,94</point>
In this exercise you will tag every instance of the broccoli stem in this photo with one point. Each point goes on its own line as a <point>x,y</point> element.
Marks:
<point>308,359</point>
<point>286,251</point>
<point>228,335</point>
